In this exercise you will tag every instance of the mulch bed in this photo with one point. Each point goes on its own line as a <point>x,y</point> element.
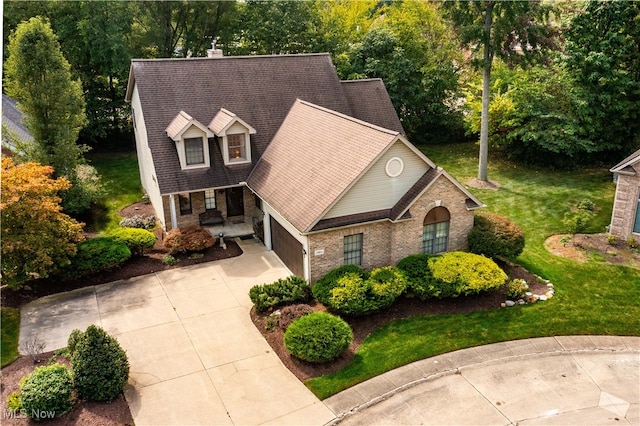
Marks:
<point>403,308</point>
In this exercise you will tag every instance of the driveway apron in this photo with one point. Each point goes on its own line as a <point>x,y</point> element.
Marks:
<point>196,357</point>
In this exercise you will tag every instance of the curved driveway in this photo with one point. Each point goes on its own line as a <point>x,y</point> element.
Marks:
<point>196,359</point>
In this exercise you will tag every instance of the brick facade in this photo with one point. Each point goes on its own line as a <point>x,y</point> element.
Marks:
<point>625,204</point>
<point>385,243</point>
<point>198,206</point>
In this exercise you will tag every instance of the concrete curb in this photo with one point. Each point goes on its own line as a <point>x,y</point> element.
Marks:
<point>373,391</point>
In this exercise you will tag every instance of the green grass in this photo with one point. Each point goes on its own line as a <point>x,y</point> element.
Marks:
<point>120,173</point>
<point>591,298</point>
<point>10,320</point>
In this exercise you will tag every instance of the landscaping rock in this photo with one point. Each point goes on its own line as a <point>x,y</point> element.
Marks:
<point>521,302</point>
<point>503,305</point>
<point>510,303</point>
<point>549,295</point>
<point>543,297</point>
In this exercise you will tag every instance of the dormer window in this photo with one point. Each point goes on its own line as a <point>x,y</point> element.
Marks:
<point>234,136</point>
<point>191,138</point>
<point>194,151</point>
<point>237,148</point>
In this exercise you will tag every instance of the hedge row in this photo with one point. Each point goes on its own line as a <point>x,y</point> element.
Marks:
<point>284,291</point>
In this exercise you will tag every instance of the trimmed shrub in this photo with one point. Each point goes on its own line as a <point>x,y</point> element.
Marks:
<point>100,366</point>
<point>469,273</point>
<point>288,290</point>
<point>586,204</point>
<point>578,221</point>
<point>190,238</point>
<point>14,402</point>
<point>354,295</point>
<point>322,288</point>
<point>169,260</point>
<point>139,221</point>
<point>516,288</point>
<point>73,339</point>
<point>135,238</point>
<point>288,314</point>
<point>46,392</point>
<point>318,337</point>
<point>495,236</point>
<point>96,254</point>
<point>419,278</point>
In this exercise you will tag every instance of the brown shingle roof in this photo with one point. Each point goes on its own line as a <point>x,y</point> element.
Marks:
<point>370,102</point>
<point>259,89</point>
<point>314,158</point>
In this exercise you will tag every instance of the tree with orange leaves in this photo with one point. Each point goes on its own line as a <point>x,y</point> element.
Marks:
<point>37,238</point>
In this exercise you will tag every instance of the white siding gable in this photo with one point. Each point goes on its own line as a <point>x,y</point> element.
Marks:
<point>145,160</point>
<point>376,190</point>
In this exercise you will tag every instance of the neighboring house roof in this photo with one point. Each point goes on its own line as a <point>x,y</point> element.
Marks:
<point>12,117</point>
<point>624,167</point>
<point>313,159</point>
<point>258,89</point>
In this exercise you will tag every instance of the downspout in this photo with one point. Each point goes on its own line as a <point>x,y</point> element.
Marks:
<point>174,216</point>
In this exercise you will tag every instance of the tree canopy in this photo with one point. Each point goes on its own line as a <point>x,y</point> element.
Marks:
<point>37,238</point>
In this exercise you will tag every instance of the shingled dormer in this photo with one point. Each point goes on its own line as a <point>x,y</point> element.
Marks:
<point>234,135</point>
<point>191,138</point>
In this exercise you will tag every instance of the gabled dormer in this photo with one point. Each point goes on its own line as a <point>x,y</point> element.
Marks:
<point>191,138</point>
<point>234,136</point>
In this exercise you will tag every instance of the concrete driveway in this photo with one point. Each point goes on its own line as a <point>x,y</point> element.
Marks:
<point>196,359</point>
<point>195,356</point>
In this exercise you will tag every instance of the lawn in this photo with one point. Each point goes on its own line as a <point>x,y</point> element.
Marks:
<point>10,320</point>
<point>119,172</point>
<point>591,298</point>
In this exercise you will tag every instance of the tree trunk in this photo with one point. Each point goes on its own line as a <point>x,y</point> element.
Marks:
<point>486,81</point>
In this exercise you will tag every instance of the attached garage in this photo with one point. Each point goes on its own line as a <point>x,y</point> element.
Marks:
<point>287,247</point>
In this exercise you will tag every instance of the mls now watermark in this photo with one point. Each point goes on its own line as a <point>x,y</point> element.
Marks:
<point>35,414</point>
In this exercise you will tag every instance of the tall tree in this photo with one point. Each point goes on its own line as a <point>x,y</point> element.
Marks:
<point>165,29</point>
<point>515,31</point>
<point>38,76</point>
<point>37,238</point>
<point>602,54</point>
<point>276,27</point>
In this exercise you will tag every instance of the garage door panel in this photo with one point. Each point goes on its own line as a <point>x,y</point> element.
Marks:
<point>287,247</point>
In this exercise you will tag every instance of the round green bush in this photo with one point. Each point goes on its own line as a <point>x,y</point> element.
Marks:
<point>322,288</point>
<point>318,337</point>
<point>46,392</point>
<point>353,295</point>
<point>495,236</point>
<point>100,366</point>
<point>517,288</point>
<point>469,273</point>
<point>96,254</point>
<point>420,280</point>
<point>136,239</point>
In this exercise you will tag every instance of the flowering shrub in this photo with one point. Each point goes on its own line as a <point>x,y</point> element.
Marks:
<point>190,238</point>
<point>139,221</point>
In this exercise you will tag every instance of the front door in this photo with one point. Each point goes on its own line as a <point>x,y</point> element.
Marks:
<point>235,201</point>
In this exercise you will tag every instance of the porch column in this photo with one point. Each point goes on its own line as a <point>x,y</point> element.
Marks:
<point>174,216</point>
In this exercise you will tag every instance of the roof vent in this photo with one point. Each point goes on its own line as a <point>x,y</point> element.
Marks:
<point>213,52</point>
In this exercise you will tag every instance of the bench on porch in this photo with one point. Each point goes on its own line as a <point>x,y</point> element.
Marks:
<point>211,217</point>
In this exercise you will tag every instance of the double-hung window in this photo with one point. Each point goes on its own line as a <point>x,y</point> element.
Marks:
<point>237,147</point>
<point>353,249</point>
<point>194,151</point>
<point>210,199</point>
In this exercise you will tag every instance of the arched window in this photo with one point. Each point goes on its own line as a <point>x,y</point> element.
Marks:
<point>435,232</point>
